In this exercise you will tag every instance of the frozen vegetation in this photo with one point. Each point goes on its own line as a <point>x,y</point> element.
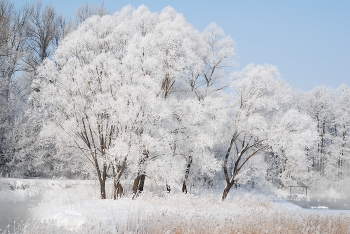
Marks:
<point>167,133</point>
<point>65,206</point>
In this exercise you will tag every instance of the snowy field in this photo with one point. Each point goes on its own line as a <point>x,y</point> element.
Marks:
<point>69,206</point>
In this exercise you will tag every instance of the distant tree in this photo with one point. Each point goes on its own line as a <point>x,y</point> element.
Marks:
<point>41,30</point>
<point>342,140</point>
<point>12,50</point>
<point>320,105</point>
<point>329,108</point>
<point>84,12</point>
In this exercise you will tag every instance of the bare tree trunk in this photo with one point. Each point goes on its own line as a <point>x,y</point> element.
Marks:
<point>135,186</point>
<point>101,176</point>
<point>230,178</point>
<point>118,190</point>
<point>184,187</point>
<point>187,173</point>
<point>117,173</point>
<point>139,183</point>
<point>141,176</point>
<point>102,179</point>
<point>102,188</point>
<point>226,190</point>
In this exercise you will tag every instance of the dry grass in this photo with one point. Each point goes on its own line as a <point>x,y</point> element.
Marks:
<point>252,223</point>
<point>243,213</point>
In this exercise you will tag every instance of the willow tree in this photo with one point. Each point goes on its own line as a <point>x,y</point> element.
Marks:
<point>116,85</point>
<point>93,94</point>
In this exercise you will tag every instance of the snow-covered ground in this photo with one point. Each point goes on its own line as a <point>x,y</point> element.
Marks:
<point>65,206</point>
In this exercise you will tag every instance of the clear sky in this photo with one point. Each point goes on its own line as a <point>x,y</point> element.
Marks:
<point>308,40</point>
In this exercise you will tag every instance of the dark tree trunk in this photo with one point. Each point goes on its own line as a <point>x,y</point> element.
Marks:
<point>187,173</point>
<point>240,161</point>
<point>135,186</point>
<point>226,190</point>
<point>138,185</point>
<point>103,188</point>
<point>140,179</point>
<point>117,173</point>
<point>102,178</point>
<point>118,190</point>
<point>141,183</point>
<point>184,187</point>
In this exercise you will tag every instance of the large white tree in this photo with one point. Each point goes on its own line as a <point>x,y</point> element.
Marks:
<point>116,85</point>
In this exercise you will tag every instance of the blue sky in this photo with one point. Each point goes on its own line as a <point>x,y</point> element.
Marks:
<point>308,40</point>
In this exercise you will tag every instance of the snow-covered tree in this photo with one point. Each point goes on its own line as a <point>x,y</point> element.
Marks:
<point>341,142</point>
<point>12,88</point>
<point>260,121</point>
<point>293,134</point>
<point>116,84</point>
<point>83,12</point>
<point>41,31</point>
<point>217,59</point>
<point>329,108</point>
<point>36,32</point>
<point>319,104</point>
